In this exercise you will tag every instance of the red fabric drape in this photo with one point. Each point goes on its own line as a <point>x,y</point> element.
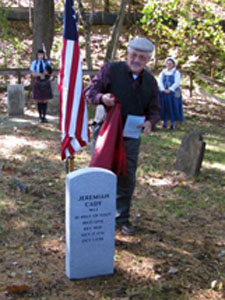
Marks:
<point>109,152</point>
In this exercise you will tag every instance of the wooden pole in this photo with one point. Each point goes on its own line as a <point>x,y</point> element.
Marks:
<point>70,164</point>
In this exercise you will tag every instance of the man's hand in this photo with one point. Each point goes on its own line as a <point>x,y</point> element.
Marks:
<point>108,99</point>
<point>147,127</point>
<point>168,91</point>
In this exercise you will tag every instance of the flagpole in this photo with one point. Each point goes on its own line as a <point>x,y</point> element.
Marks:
<point>71,163</point>
<point>73,110</point>
<point>70,167</point>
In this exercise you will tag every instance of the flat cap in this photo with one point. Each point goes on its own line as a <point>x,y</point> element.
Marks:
<point>142,44</point>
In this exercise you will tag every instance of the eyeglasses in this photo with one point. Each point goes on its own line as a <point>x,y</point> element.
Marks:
<point>141,57</point>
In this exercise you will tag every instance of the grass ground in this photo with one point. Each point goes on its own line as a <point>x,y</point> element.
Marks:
<point>179,250</point>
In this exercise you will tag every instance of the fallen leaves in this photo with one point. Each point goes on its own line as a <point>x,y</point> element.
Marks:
<point>15,289</point>
<point>168,258</point>
<point>217,285</point>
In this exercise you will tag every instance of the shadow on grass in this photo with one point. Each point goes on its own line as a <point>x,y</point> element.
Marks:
<point>170,258</point>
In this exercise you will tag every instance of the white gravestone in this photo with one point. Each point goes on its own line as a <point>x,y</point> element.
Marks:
<point>90,222</point>
<point>16,99</point>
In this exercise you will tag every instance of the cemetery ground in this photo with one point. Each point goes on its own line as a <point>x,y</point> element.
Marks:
<point>178,252</point>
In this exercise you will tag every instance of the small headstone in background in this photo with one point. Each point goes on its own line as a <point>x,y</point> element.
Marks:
<point>190,154</point>
<point>53,104</point>
<point>90,222</point>
<point>15,99</point>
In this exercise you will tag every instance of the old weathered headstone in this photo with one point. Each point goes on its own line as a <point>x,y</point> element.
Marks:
<point>90,222</point>
<point>53,104</point>
<point>15,99</point>
<point>190,154</point>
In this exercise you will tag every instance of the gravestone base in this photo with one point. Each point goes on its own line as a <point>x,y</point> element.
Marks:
<point>190,154</point>
<point>15,99</point>
<point>90,223</point>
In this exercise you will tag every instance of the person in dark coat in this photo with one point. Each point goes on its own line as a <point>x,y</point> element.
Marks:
<point>41,70</point>
<point>136,89</point>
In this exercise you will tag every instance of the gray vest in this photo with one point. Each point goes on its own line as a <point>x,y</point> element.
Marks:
<point>134,101</point>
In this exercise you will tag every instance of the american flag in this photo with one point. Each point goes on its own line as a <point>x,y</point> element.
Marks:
<point>73,110</point>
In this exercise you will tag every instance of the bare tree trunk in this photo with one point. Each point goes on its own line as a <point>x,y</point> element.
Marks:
<point>30,14</point>
<point>156,52</point>
<point>113,43</point>
<point>106,6</point>
<point>43,25</point>
<point>87,33</point>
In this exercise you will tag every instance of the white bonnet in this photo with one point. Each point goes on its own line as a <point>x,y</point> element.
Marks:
<point>171,58</point>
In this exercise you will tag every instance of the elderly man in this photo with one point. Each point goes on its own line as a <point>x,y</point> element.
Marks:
<point>137,91</point>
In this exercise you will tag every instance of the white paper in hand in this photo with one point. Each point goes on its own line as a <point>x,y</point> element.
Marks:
<point>131,128</point>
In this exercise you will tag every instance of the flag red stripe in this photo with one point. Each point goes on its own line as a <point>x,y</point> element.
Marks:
<point>80,118</point>
<point>66,145</point>
<point>73,78</point>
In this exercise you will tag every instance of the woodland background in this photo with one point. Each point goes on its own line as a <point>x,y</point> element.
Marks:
<point>179,250</point>
<point>190,30</point>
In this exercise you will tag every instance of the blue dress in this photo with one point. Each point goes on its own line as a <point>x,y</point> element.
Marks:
<point>171,104</point>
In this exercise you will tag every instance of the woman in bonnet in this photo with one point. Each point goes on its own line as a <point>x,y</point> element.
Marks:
<point>170,94</point>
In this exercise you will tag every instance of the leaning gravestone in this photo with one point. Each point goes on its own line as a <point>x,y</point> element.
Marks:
<point>15,99</point>
<point>190,154</point>
<point>53,104</point>
<point>90,222</point>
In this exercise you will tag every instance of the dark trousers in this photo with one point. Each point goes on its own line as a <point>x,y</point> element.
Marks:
<point>96,128</point>
<point>126,184</point>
